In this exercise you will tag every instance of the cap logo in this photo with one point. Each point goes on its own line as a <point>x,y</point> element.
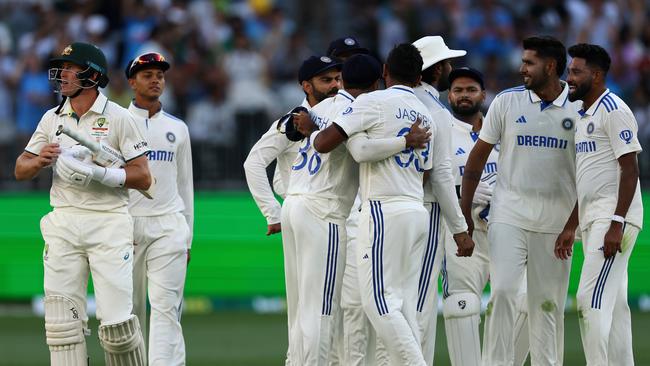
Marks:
<point>349,41</point>
<point>67,51</point>
<point>326,59</point>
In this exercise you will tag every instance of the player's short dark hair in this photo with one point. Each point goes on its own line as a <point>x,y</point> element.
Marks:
<point>404,63</point>
<point>594,55</point>
<point>548,47</point>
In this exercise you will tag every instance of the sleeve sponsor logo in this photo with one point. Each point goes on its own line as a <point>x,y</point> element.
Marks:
<point>626,135</point>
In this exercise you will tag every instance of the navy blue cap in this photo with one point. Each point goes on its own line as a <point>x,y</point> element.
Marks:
<point>361,70</point>
<point>315,65</point>
<point>345,45</point>
<point>467,72</point>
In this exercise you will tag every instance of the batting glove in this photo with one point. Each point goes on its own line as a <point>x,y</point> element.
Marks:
<point>73,171</point>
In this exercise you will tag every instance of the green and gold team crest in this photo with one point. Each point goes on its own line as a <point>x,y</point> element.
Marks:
<point>100,128</point>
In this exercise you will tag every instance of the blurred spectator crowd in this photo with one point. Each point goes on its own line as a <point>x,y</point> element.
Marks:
<point>234,63</point>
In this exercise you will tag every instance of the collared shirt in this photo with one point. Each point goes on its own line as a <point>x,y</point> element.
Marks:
<point>170,162</point>
<point>273,145</point>
<point>605,132</point>
<point>536,185</point>
<point>104,121</point>
<point>330,180</point>
<point>463,139</point>
<point>390,113</point>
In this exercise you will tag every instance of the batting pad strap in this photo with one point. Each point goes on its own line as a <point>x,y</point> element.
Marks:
<point>461,305</point>
<point>64,334</point>
<point>123,343</point>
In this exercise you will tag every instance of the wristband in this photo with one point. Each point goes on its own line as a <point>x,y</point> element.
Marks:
<point>312,138</point>
<point>111,177</point>
<point>618,218</point>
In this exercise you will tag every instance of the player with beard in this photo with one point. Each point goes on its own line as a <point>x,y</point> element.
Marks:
<point>465,277</point>
<point>320,78</point>
<point>533,198</point>
<point>610,207</point>
<point>440,199</point>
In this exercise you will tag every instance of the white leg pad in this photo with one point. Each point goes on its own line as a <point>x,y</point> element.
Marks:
<point>462,316</point>
<point>522,340</point>
<point>123,344</point>
<point>64,332</point>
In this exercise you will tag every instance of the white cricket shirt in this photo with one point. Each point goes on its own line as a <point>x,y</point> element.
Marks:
<point>440,187</point>
<point>170,162</point>
<point>462,142</point>
<point>273,145</point>
<point>605,132</point>
<point>536,185</point>
<point>105,121</point>
<point>329,180</point>
<point>390,113</point>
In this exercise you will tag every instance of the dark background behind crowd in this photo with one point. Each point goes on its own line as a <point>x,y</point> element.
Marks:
<point>234,63</point>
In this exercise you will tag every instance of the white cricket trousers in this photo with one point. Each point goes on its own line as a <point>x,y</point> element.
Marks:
<point>81,241</point>
<point>314,260</point>
<point>358,335</point>
<point>160,246</point>
<point>427,296</point>
<point>515,252</point>
<point>604,315</point>
<point>392,235</point>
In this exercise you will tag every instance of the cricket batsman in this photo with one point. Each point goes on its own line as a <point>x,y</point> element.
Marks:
<point>89,230</point>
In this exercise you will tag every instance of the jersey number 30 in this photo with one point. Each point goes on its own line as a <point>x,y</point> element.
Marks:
<point>312,162</point>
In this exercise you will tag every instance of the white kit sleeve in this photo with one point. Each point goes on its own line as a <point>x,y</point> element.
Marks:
<point>265,150</point>
<point>185,181</point>
<point>442,177</point>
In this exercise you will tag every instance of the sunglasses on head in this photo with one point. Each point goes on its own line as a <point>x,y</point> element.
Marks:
<point>148,58</point>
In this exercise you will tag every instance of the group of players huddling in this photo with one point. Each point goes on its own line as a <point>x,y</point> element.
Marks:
<point>498,197</point>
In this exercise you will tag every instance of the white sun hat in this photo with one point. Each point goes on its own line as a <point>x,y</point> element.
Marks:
<point>433,49</point>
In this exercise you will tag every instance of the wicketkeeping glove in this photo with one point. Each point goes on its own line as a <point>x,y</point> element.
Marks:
<point>286,126</point>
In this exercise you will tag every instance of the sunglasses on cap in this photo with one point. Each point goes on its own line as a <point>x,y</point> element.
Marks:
<point>147,59</point>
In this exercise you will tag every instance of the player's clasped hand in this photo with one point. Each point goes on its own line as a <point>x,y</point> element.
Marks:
<point>304,124</point>
<point>48,155</point>
<point>613,239</point>
<point>465,244</point>
<point>417,137</point>
<point>564,244</point>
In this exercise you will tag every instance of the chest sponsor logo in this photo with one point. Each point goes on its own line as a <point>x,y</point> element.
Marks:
<point>585,146</point>
<point>490,167</point>
<point>549,142</point>
<point>521,119</point>
<point>348,110</point>
<point>460,151</point>
<point>626,135</point>
<point>160,155</point>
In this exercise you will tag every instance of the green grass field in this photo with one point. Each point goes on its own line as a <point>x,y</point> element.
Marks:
<point>249,339</point>
<point>232,261</point>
